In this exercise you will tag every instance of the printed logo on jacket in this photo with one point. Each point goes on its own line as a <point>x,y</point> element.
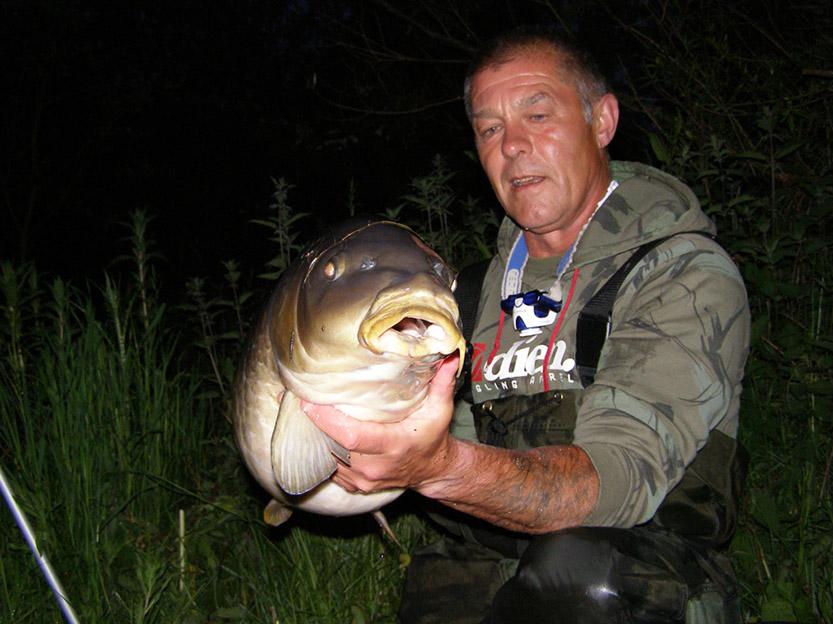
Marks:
<point>521,363</point>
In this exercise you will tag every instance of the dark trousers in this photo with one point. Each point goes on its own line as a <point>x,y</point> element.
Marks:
<point>643,575</point>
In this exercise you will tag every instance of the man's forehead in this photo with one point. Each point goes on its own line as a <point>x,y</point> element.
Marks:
<point>521,96</point>
<point>518,84</point>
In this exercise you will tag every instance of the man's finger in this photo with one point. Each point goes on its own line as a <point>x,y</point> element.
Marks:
<point>355,435</point>
<point>446,375</point>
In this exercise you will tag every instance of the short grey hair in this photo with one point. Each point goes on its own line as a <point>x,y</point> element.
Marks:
<point>575,64</point>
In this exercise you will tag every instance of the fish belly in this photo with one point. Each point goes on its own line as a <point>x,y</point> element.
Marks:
<point>332,500</point>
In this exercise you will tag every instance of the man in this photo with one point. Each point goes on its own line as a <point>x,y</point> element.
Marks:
<point>576,483</point>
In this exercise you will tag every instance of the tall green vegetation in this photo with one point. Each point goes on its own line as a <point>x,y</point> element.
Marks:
<point>95,419</point>
<point>743,113</point>
<point>114,434</point>
<point>461,230</point>
<point>97,422</point>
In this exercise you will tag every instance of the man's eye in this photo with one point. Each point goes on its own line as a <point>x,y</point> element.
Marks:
<point>491,130</point>
<point>538,117</point>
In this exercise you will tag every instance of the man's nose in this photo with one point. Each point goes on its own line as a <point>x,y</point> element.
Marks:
<point>515,141</point>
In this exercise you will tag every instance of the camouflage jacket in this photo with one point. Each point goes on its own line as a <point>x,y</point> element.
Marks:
<point>671,368</point>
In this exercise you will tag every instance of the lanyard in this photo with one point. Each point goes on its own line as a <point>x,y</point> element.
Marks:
<point>518,256</point>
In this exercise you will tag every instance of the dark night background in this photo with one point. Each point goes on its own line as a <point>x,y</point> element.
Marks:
<point>187,109</point>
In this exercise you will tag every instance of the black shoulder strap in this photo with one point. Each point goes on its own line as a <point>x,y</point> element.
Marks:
<point>469,284</point>
<point>594,319</point>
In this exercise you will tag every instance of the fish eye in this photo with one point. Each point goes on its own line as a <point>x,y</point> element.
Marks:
<point>333,269</point>
<point>367,263</point>
<point>330,271</point>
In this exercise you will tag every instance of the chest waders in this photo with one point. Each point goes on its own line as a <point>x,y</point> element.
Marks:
<point>665,571</point>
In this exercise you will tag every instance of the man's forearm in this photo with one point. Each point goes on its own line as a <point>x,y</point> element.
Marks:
<point>533,491</point>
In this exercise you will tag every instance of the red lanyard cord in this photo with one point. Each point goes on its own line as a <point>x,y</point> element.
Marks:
<point>552,337</point>
<point>555,331</point>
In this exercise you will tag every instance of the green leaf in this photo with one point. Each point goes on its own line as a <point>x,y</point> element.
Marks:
<point>753,156</point>
<point>359,615</point>
<point>230,613</point>
<point>788,149</point>
<point>777,610</point>
<point>659,149</point>
<point>760,327</point>
<point>765,511</point>
<point>820,387</point>
<point>740,199</point>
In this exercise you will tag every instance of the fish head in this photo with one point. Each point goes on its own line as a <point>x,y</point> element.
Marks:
<point>368,292</point>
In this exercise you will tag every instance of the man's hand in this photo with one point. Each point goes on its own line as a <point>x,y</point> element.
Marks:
<point>406,453</point>
<point>533,491</point>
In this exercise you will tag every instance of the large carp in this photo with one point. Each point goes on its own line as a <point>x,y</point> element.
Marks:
<point>362,320</point>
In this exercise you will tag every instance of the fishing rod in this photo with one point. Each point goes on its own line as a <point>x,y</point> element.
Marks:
<point>43,562</point>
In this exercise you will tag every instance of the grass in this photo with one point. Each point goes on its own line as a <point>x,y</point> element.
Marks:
<point>114,433</point>
<point>120,456</point>
<point>105,440</point>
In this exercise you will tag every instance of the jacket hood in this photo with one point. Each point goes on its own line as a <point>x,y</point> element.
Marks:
<point>648,204</point>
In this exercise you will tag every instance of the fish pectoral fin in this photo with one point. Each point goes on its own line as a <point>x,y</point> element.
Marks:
<point>383,522</point>
<point>339,451</point>
<point>276,513</point>
<point>302,455</point>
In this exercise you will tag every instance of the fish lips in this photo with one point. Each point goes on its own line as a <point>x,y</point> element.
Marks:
<point>414,330</point>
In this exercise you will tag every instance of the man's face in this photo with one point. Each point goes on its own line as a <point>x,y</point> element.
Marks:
<point>546,164</point>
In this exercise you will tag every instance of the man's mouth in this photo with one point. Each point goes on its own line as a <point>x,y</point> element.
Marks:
<point>525,181</point>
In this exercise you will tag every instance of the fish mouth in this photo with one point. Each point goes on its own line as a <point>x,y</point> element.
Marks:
<point>417,332</point>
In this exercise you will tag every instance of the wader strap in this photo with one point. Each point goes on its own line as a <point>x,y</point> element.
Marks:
<point>593,326</point>
<point>469,284</point>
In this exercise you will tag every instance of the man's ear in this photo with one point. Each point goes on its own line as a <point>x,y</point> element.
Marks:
<point>605,119</point>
